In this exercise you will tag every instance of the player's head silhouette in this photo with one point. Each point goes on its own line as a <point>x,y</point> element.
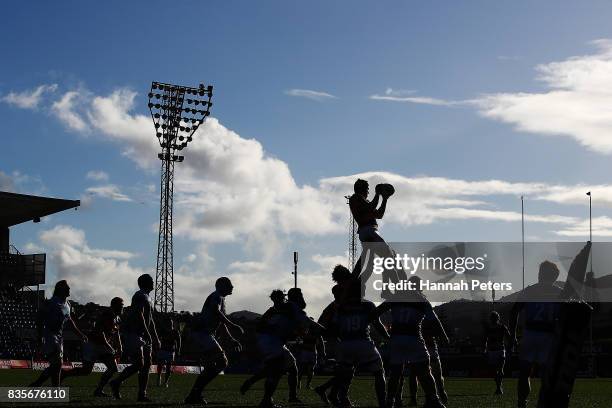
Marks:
<point>62,290</point>
<point>117,306</point>
<point>548,273</point>
<point>295,295</point>
<point>145,282</point>
<point>361,188</point>
<point>340,274</point>
<point>278,297</point>
<point>224,286</point>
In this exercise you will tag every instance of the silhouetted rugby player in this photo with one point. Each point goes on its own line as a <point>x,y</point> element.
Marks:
<point>140,336</point>
<point>52,317</point>
<point>170,338</point>
<point>497,336</point>
<point>541,317</point>
<point>104,345</point>
<point>212,319</point>
<point>356,349</point>
<point>279,323</point>
<point>366,213</point>
<point>409,308</point>
<point>326,319</point>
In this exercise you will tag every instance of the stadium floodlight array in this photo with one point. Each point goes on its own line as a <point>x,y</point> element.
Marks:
<point>177,112</point>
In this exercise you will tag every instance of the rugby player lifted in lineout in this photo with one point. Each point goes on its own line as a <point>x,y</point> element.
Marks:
<point>366,213</point>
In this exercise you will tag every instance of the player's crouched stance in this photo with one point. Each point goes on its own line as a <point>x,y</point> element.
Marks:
<point>212,318</point>
<point>356,348</point>
<point>100,348</point>
<point>407,346</point>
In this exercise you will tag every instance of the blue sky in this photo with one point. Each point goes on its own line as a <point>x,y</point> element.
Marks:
<point>495,100</point>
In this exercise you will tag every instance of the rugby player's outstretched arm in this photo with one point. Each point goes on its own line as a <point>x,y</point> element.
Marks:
<point>439,327</point>
<point>514,315</point>
<point>228,323</point>
<point>154,329</point>
<point>379,327</point>
<point>236,343</point>
<point>76,329</point>
<point>380,212</point>
<point>379,311</point>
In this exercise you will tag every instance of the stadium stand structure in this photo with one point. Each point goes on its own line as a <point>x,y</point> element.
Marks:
<point>20,272</point>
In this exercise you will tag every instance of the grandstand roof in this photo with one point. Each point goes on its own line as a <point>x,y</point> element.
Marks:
<point>18,208</point>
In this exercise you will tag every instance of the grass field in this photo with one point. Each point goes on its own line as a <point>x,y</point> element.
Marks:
<point>223,392</point>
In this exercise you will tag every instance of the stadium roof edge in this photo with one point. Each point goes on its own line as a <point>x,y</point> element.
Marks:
<point>19,208</point>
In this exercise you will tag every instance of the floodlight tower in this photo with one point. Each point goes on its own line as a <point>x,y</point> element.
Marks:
<point>352,245</point>
<point>177,111</point>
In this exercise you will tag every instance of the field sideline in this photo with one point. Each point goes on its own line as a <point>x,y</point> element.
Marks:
<point>223,392</point>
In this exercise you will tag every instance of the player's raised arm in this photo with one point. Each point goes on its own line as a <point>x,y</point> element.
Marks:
<point>76,328</point>
<point>432,316</point>
<point>380,310</point>
<point>514,315</point>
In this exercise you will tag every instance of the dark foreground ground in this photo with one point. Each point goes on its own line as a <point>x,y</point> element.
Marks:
<point>223,392</point>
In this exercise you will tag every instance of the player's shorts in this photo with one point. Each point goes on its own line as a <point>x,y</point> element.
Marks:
<point>134,346</point>
<point>53,348</point>
<point>535,346</point>
<point>307,357</point>
<point>272,347</point>
<point>404,349</point>
<point>362,353</point>
<point>496,357</point>
<point>165,356</point>
<point>93,352</point>
<point>207,343</point>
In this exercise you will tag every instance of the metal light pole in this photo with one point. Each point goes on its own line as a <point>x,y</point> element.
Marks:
<point>352,247</point>
<point>177,111</point>
<point>523,236</point>
<point>295,262</point>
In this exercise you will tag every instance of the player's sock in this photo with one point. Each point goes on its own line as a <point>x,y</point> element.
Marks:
<point>195,400</point>
<point>321,393</point>
<point>99,393</point>
<point>115,387</point>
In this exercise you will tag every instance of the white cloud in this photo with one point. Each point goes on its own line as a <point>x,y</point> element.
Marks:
<point>6,182</point>
<point>575,105</point>
<point>110,191</point>
<point>416,99</point>
<point>310,94</point>
<point>97,175</point>
<point>28,99</point>
<point>94,274</point>
<point>227,179</point>
<point>65,110</point>
<point>18,182</point>
<point>327,262</point>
